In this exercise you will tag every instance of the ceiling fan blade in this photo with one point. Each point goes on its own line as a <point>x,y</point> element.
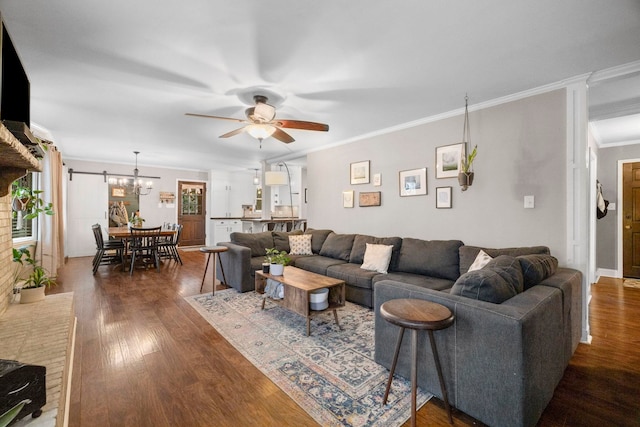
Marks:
<point>215,117</point>
<point>299,124</point>
<point>234,132</point>
<point>281,135</point>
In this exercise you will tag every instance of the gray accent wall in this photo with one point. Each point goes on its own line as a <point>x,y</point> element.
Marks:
<point>521,151</point>
<point>606,228</point>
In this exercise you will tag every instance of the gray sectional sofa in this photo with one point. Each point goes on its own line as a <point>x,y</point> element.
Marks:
<point>518,319</point>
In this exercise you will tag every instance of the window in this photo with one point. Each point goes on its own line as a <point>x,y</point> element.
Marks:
<point>27,225</point>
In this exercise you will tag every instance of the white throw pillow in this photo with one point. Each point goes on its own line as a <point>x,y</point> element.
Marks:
<point>300,244</point>
<point>377,258</point>
<point>481,260</point>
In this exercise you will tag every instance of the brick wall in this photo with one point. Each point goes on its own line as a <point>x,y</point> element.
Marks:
<point>6,257</point>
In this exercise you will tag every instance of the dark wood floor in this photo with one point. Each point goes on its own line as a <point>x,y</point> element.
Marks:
<point>144,357</point>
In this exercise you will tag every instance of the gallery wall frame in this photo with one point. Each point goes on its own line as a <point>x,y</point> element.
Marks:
<point>443,197</point>
<point>448,159</point>
<point>360,172</point>
<point>118,192</point>
<point>369,198</point>
<point>413,182</point>
<point>347,199</point>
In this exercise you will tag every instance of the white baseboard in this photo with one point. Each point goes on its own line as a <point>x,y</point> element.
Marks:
<point>607,272</point>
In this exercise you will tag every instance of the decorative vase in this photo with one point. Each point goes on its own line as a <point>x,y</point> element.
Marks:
<point>276,269</point>
<point>29,295</point>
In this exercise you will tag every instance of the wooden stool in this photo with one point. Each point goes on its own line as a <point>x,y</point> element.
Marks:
<point>417,315</point>
<point>213,250</point>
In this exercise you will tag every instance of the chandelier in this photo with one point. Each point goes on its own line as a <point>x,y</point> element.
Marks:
<point>137,186</point>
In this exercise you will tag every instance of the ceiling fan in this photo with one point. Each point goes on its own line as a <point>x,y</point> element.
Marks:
<point>261,122</point>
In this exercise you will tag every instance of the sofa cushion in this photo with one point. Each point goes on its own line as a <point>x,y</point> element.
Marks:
<point>315,263</point>
<point>359,247</point>
<point>337,246</point>
<point>416,279</point>
<point>536,268</point>
<point>498,281</point>
<point>377,257</point>
<point>300,245</point>
<point>257,242</point>
<point>317,238</point>
<point>436,258</point>
<point>481,260</point>
<point>352,275</point>
<point>281,239</point>
<point>468,254</point>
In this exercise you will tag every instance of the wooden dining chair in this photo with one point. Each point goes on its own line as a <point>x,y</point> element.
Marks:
<point>144,243</point>
<point>107,252</point>
<point>169,248</point>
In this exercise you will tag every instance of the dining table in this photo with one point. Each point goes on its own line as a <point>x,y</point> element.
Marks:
<point>125,232</point>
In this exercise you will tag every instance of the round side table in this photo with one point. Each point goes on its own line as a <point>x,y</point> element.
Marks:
<point>215,251</point>
<point>416,314</point>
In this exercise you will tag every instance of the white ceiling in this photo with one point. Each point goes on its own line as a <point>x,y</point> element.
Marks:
<point>111,77</point>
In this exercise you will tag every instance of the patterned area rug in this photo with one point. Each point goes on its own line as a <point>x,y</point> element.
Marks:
<point>330,374</point>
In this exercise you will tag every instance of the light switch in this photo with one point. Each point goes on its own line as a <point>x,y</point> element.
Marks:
<point>529,202</point>
<point>611,207</point>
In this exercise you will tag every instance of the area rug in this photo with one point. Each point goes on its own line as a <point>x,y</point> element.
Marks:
<point>631,283</point>
<point>330,374</point>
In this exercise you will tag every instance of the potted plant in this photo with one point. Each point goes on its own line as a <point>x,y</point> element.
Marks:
<point>136,219</point>
<point>277,259</point>
<point>465,177</point>
<point>36,282</point>
<point>27,203</point>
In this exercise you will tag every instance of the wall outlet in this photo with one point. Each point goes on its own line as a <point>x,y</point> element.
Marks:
<point>529,202</point>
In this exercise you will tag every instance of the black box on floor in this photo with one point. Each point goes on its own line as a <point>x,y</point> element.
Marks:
<point>20,382</point>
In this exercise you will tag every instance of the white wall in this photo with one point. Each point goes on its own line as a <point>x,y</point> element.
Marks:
<point>521,151</point>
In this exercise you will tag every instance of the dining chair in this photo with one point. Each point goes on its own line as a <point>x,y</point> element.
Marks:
<point>107,252</point>
<point>144,243</point>
<point>169,248</point>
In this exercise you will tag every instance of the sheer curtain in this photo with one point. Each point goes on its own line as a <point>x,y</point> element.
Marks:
<point>52,226</point>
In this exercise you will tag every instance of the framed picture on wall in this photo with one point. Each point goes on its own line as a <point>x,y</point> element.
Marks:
<point>360,172</point>
<point>448,158</point>
<point>443,197</point>
<point>347,199</point>
<point>370,198</point>
<point>413,182</point>
<point>118,192</point>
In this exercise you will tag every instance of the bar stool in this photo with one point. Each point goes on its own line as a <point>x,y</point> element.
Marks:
<point>416,314</point>
<point>213,250</point>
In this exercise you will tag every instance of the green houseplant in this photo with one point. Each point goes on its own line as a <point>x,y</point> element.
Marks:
<point>27,203</point>
<point>33,286</point>
<point>465,177</point>
<point>277,259</point>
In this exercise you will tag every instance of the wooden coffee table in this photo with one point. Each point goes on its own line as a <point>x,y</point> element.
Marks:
<point>298,284</point>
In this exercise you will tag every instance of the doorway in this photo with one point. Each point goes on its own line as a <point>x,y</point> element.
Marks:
<point>631,220</point>
<point>192,212</point>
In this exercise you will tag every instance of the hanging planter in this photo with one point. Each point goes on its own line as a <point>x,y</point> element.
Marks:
<point>465,177</point>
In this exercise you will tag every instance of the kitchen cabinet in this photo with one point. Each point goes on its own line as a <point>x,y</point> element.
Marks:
<point>222,229</point>
<point>229,192</point>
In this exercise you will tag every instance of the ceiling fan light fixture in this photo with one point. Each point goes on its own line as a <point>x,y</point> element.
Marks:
<point>264,112</point>
<point>259,131</point>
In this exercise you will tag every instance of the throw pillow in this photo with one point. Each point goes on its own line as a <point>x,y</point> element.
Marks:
<point>300,244</point>
<point>536,268</point>
<point>337,246</point>
<point>377,257</point>
<point>481,260</point>
<point>498,281</point>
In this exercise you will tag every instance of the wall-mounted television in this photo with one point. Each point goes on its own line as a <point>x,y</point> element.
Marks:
<point>15,94</point>
<point>15,87</point>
